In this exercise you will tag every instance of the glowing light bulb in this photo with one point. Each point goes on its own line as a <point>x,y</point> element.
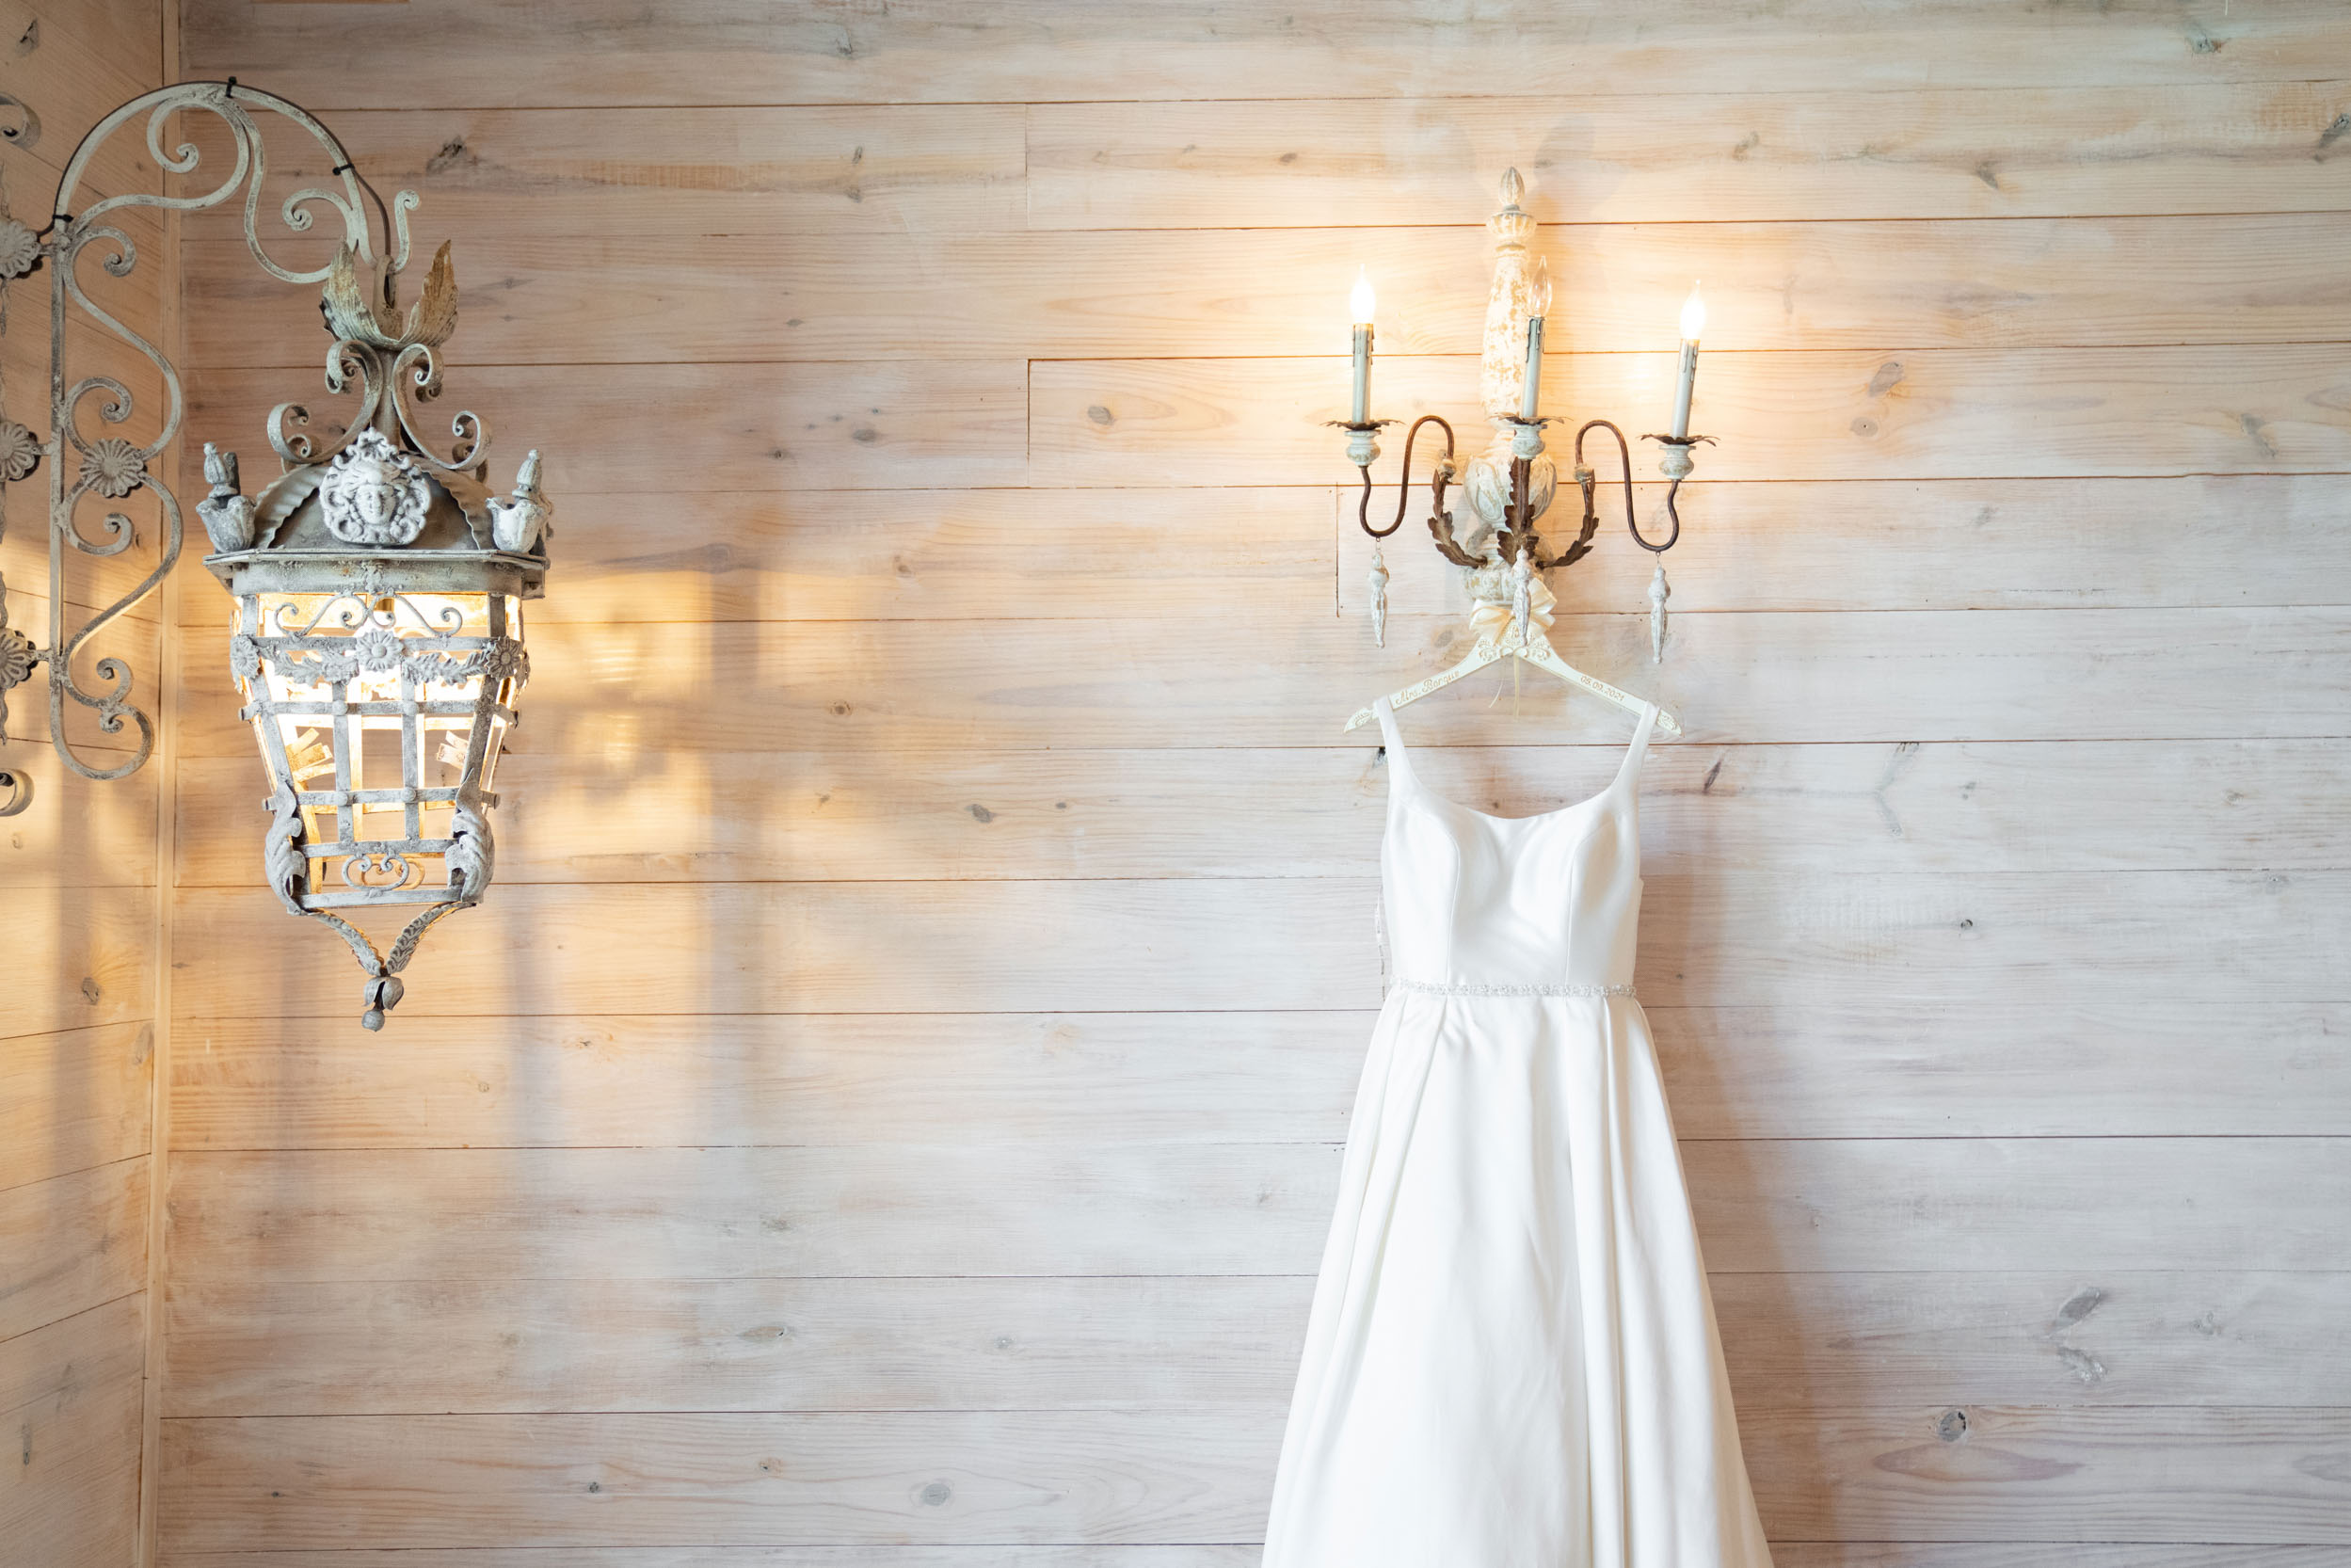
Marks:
<point>1538,303</point>
<point>1693,323</point>
<point>1362,301</point>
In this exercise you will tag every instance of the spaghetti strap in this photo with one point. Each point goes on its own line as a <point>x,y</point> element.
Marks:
<point>1630,767</point>
<point>1399,764</point>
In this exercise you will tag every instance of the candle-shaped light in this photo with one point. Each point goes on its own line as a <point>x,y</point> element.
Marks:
<point>1362,301</point>
<point>1693,324</point>
<point>1539,303</point>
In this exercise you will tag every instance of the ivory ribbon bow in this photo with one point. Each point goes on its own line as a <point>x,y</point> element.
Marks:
<point>1491,620</point>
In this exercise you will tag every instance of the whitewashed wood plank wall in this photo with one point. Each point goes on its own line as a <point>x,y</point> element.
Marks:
<point>80,874</point>
<point>888,1112</point>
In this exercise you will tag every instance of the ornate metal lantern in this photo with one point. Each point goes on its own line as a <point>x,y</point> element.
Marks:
<point>379,587</point>
<point>379,640</point>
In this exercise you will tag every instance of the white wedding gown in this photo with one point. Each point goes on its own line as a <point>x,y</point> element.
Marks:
<point>1512,1361</point>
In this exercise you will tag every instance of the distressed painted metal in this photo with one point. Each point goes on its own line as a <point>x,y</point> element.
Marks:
<point>379,646</point>
<point>379,583</point>
<point>83,464</point>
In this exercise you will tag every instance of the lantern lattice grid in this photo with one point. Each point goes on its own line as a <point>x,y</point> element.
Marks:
<point>381,718</point>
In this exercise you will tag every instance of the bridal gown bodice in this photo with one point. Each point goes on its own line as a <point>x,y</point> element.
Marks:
<point>1512,903</point>
<point>1511,1359</point>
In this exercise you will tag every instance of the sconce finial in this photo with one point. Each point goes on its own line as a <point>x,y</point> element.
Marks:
<point>1514,225</point>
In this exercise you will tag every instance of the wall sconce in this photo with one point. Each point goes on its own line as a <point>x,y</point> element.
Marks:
<point>1512,485</point>
<point>379,640</point>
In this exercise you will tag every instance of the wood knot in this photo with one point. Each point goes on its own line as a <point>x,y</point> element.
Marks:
<point>2079,1305</point>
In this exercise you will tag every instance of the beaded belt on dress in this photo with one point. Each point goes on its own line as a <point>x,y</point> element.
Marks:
<point>1477,988</point>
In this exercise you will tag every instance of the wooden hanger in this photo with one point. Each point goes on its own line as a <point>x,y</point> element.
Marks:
<point>1520,641</point>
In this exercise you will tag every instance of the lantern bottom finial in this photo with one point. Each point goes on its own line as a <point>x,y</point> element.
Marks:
<point>382,995</point>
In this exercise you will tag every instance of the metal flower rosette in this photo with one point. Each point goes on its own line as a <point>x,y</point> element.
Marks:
<point>378,641</point>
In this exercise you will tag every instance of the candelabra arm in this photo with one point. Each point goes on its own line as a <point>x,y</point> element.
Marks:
<point>1585,480</point>
<point>1438,480</point>
<point>1519,536</point>
<point>1516,538</point>
<point>1675,463</point>
<point>1362,507</point>
<point>1363,449</point>
<point>1672,517</point>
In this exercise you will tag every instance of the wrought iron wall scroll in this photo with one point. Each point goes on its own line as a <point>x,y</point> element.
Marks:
<point>82,463</point>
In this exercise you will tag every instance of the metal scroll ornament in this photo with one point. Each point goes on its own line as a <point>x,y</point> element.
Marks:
<point>380,584</point>
<point>379,645</point>
<point>87,467</point>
